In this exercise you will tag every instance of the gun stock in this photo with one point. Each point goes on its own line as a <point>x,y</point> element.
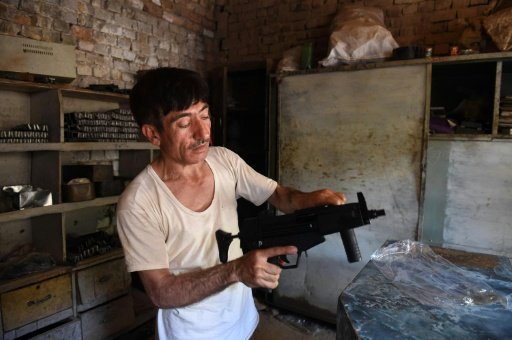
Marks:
<point>304,229</point>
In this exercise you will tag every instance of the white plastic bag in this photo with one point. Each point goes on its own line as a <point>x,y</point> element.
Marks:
<point>359,33</point>
<point>499,28</point>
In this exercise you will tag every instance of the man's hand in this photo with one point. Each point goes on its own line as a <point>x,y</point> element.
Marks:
<point>254,270</point>
<point>288,199</point>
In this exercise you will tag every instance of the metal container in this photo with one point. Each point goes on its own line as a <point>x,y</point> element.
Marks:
<point>78,192</point>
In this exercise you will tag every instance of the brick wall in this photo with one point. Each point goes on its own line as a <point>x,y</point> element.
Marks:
<point>256,30</point>
<point>116,38</point>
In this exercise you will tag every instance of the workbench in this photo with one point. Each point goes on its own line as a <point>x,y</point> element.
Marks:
<point>373,307</point>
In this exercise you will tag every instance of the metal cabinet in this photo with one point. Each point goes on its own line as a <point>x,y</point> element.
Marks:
<point>368,128</point>
<point>351,131</point>
<point>467,184</point>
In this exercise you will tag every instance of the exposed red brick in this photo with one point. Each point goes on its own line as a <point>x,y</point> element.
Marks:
<point>444,15</point>
<point>200,33</point>
<point>22,19</point>
<point>152,8</point>
<point>478,2</point>
<point>442,4</point>
<point>426,6</point>
<point>82,33</point>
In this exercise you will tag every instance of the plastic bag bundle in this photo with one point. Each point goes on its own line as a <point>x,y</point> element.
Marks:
<point>499,28</point>
<point>359,33</point>
<point>28,264</point>
<point>432,280</point>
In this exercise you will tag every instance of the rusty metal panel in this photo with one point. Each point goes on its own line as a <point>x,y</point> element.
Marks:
<point>351,131</point>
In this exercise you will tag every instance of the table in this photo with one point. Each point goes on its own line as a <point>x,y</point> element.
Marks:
<point>372,307</point>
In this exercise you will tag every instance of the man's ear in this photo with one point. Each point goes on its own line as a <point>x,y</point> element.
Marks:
<point>151,134</point>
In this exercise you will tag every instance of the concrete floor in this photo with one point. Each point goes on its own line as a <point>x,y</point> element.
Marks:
<point>282,325</point>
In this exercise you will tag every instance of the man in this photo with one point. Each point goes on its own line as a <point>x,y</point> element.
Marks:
<point>168,215</point>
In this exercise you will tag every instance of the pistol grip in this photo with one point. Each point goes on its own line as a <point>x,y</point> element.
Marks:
<point>351,247</point>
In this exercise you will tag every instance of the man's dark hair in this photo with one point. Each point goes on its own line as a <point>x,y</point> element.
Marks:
<point>165,89</point>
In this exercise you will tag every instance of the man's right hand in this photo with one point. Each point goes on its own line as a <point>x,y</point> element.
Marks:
<point>254,270</point>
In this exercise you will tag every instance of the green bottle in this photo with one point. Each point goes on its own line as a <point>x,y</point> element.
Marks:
<point>306,57</point>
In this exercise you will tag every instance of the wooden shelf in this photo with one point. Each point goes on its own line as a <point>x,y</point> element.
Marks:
<point>94,260</point>
<point>69,147</point>
<point>7,285</point>
<point>381,63</point>
<point>470,137</point>
<point>55,209</point>
<point>67,90</point>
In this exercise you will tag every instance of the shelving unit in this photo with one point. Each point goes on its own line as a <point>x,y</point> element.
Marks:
<point>466,197</point>
<point>76,296</point>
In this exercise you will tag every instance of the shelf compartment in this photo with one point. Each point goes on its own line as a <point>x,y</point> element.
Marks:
<point>466,92</point>
<point>35,107</point>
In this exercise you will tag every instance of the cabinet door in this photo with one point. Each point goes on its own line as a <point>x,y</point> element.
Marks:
<point>467,196</point>
<point>106,320</point>
<point>100,283</point>
<point>351,131</point>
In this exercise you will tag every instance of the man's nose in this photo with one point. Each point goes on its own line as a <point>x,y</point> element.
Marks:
<point>202,128</point>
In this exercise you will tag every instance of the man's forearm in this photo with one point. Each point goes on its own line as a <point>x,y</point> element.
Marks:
<point>288,199</point>
<point>252,269</point>
<point>170,291</point>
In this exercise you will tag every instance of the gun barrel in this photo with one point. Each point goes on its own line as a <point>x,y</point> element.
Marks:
<point>376,213</point>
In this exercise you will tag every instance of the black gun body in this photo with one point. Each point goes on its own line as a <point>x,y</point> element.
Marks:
<point>303,229</point>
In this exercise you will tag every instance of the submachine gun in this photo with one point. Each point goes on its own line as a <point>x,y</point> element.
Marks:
<point>303,229</point>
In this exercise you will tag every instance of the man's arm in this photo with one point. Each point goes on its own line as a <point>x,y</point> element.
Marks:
<point>288,199</point>
<point>170,291</point>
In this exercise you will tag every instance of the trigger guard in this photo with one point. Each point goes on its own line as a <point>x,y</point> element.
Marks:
<point>290,266</point>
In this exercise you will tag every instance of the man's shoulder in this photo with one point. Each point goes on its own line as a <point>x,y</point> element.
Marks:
<point>220,152</point>
<point>135,189</point>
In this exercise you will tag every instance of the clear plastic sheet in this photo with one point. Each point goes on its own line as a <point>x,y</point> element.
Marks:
<point>432,280</point>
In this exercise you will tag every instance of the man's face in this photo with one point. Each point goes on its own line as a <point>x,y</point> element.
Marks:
<point>186,134</point>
